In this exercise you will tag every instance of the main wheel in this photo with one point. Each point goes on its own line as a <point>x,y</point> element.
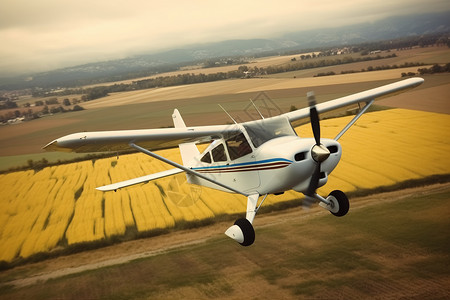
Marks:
<point>247,230</point>
<point>339,203</point>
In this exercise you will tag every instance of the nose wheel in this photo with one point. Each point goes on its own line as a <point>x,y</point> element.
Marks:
<point>336,202</point>
<point>242,232</point>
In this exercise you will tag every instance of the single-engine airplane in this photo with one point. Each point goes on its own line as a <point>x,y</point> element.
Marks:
<point>254,158</point>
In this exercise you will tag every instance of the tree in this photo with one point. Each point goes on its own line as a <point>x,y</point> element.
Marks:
<point>8,104</point>
<point>30,163</point>
<point>243,69</point>
<point>52,101</point>
<point>57,109</point>
<point>66,102</point>
<point>97,92</point>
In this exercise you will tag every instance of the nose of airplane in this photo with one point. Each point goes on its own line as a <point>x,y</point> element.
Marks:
<point>320,153</point>
<point>301,157</point>
<point>315,163</point>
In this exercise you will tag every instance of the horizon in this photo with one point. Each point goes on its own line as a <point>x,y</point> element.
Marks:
<point>42,37</point>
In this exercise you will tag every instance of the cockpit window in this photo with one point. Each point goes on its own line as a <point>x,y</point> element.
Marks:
<point>264,130</point>
<point>238,146</point>
<point>206,158</point>
<point>218,153</point>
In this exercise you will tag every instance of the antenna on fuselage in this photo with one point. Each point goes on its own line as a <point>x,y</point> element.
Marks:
<point>256,108</point>
<point>228,114</point>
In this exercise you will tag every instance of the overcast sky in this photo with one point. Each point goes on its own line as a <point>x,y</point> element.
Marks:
<point>47,34</point>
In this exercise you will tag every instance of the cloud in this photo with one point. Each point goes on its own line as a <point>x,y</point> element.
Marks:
<point>46,34</point>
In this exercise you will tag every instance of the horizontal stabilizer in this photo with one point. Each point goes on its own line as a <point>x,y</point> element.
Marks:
<point>122,184</point>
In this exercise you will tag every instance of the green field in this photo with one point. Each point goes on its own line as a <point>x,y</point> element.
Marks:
<point>397,248</point>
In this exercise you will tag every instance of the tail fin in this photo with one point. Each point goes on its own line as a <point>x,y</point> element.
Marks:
<point>188,150</point>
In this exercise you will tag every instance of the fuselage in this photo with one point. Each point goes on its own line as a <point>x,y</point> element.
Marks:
<point>273,161</point>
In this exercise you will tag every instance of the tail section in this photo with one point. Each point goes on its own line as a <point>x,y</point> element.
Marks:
<point>188,150</point>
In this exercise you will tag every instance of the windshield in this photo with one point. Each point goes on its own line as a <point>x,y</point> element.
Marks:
<point>264,130</point>
<point>238,146</point>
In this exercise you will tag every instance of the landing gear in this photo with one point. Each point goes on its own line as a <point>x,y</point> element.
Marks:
<point>339,203</point>
<point>336,202</point>
<point>242,232</point>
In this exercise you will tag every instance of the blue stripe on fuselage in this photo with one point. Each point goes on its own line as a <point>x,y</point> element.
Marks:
<point>246,163</point>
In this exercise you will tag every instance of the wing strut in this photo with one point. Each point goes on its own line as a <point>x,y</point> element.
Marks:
<point>355,118</point>
<point>187,170</point>
<point>147,178</point>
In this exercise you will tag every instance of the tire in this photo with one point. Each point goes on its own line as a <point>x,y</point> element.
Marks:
<point>247,230</point>
<point>339,198</point>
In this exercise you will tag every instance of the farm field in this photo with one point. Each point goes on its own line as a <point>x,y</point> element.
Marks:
<point>390,246</point>
<point>396,249</point>
<point>241,86</point>
<point>59,207</point>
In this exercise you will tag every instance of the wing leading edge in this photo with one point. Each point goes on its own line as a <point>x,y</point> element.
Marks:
<point>365,96</point>
<point>152,139</point>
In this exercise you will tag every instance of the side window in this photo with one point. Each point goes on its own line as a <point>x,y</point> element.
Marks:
<point>206,158</point>
<point>218,153</point>
<point>238,146</point>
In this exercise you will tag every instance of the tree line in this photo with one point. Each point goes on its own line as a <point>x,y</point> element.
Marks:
<point>40,108</point>
<point>303,65</point>
<point>371,68</point>
<point>436,68</point>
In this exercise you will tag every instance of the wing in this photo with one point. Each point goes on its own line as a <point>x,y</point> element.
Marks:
<point>152,139</point>
<point>365,96</point>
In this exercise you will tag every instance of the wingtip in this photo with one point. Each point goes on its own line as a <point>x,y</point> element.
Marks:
<point>51,146</point>
<point>54,146</point>
<point>104,189</point>
<point>417,80</point>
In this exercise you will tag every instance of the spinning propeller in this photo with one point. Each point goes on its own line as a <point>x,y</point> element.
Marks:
<point>319,152</point>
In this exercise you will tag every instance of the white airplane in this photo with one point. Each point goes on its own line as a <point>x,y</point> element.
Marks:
<point>253,158</point>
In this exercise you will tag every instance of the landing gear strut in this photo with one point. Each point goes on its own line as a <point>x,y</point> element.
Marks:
<point>242,231</point>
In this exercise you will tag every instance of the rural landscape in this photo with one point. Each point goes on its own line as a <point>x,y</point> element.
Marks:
<point>61,238</point>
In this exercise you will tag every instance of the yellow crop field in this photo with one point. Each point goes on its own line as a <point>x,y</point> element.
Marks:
<point>59,206</point>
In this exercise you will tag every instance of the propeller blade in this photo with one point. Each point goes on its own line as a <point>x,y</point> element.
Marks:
<point>314,116</point>
<point>314,183</point>
<point>319,153</point>
<point>315,124</point>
